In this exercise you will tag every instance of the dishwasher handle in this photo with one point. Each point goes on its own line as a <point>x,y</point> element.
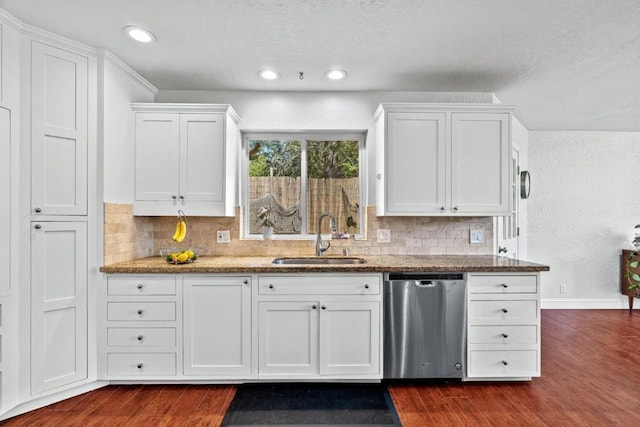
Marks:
<point>426,283</point>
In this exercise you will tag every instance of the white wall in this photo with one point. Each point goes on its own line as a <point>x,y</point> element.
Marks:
<point>583,207</point>
<point>316,110</point>
<point>120,89</point>
<point>520,140</point>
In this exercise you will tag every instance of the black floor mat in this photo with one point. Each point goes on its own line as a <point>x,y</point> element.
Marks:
<point>311,404</point>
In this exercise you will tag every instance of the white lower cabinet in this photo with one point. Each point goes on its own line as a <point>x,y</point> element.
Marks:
<point>503,330</point>
<point>332,332</point>
<point>217,326</point>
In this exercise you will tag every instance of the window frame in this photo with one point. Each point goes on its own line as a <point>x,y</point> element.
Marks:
<point>303,136</point>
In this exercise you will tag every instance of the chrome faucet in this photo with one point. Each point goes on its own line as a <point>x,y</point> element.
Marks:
<point>320,249</point>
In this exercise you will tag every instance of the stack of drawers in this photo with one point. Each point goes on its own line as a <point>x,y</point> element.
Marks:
<point>142,327</point>
<point>503,325</point>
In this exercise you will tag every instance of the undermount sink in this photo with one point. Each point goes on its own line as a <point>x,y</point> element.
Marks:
<point>319,260</point>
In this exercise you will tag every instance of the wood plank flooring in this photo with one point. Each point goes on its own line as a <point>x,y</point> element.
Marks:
<point>590,377</point>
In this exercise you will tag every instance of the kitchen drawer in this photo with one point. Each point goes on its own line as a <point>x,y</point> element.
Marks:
<point>319,285</point>
<point>141,286</point>
<point>141,364</point>
<point>506,363</point>
<point>503,310</point>
<point>141,337</point>
<point>506,335</point>
<point>502,284</point>
<point>141,311</point>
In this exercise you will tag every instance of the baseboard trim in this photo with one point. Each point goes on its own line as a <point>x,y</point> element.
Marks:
<point>52,398</point>
<point>586,304</point>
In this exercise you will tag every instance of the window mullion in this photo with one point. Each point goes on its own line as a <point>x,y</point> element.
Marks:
<point>303,185</point>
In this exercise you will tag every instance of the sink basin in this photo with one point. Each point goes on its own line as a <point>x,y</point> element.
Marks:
<point>319,260</point>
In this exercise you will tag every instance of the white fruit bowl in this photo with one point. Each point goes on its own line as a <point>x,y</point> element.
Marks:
<point>180,255</point>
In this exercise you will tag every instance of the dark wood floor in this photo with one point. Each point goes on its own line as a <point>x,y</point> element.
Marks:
<point>590,377</point>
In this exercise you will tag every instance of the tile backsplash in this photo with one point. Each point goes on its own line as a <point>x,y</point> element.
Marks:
<point>128,237</point>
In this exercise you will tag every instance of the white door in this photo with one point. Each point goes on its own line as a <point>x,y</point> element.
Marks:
<point>59,117</point>
<point>202,152</point>
<point>5,205</point>
<point>288,338</point>
<point>157,161</point>
<point>349,338</point>
<point>415,163</point>
<point>217,326</point>
<point>481,153</point>
<point>508,227</point>
<point>58,304</point>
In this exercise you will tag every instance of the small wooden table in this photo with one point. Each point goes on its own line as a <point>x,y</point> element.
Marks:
<point>627,257</point>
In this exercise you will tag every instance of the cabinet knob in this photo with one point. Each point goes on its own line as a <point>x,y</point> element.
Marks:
<point>504,310</point>
<point>504,362</point>
<point>37,210</point>
<point>139,365</point>
<point>173,196</point>
<point>245,282</point>
<point>505,335</point>
<point>37,226</point>
<point>504,285</point>
<point>324,307</point>
<point>140,337</point>
<point>181,197</point>
<point>441,208</point>
<point>139,312</point>
<point>140,286</point>
<point>455,209</point>
<point>366,286</point>
<point>270,286</point>
<point>314,306</point>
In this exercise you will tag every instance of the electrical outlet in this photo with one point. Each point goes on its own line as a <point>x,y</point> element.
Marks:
<point>476,236</point>
<point>384,235</point>
<point>223,236</point>
<point>563,288</point>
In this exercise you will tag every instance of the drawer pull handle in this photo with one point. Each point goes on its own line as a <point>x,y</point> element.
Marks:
<point>366,286</point>
<point>504,310</point>
<point>140,311</point>
<point>324,307</point>
<point>139,365</point>
<point>504,362</point>
<point>140,337</point>
<point>245,282</point>
<point>504,285</point>
<point>270,286</point>
<point>505,335</point>
<point>314,306</point>
<point>140,286</point>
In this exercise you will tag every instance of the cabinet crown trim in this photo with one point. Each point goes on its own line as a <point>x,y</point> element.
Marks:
<point>387,107</point>
<point>186,108</point>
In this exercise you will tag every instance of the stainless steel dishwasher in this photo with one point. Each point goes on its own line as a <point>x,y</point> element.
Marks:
<point>424,325</point>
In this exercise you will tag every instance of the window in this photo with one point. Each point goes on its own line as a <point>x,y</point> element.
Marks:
<point>292,178</point>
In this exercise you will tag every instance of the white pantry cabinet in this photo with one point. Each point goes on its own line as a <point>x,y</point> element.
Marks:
<point>59,131</point>
<point>443,159</point>
<point>217,326</point>
<point>185,158</point>
<point>58,304</point>
<point>319,326</point>
<point>503,325</point>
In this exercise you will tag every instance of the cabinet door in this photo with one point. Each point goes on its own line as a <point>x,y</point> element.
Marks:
<point>58,304</point>
<point>157,156</point>
<point>481,160</point>
<point>349,338</point>
<point>5,206</point>
<point>59,117</point>
<point>217,326</point>
<point>201,157</point>
<point>415,163</point>
<point>288,338</point>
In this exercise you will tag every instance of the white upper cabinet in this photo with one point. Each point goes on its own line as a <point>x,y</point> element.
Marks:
<point>59,121</point>
<point>186,158</point>
<point>443,159</point>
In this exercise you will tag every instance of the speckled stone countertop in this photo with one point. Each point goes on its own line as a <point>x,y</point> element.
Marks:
<point>373,264</point>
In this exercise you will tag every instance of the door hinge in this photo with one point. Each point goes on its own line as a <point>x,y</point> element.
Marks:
<point>517,231</point>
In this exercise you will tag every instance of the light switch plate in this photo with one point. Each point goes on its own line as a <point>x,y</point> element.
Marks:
<point>476,236</point>
<point>223,236</point>
<point>384,235</point>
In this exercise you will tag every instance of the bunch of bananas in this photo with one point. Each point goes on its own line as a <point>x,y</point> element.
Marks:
<point>181,227</point>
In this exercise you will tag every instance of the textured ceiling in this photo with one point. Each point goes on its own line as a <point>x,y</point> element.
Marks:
<point>570,64</point>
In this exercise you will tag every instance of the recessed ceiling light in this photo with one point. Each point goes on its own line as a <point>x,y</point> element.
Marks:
<point>335,74</point>
<point>140,34</point>
<point>268,74</point>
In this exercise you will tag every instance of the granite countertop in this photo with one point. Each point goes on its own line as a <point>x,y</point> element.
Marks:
<point>373,264</point>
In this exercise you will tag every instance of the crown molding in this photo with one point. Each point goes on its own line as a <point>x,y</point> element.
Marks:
<point>125,68</point>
